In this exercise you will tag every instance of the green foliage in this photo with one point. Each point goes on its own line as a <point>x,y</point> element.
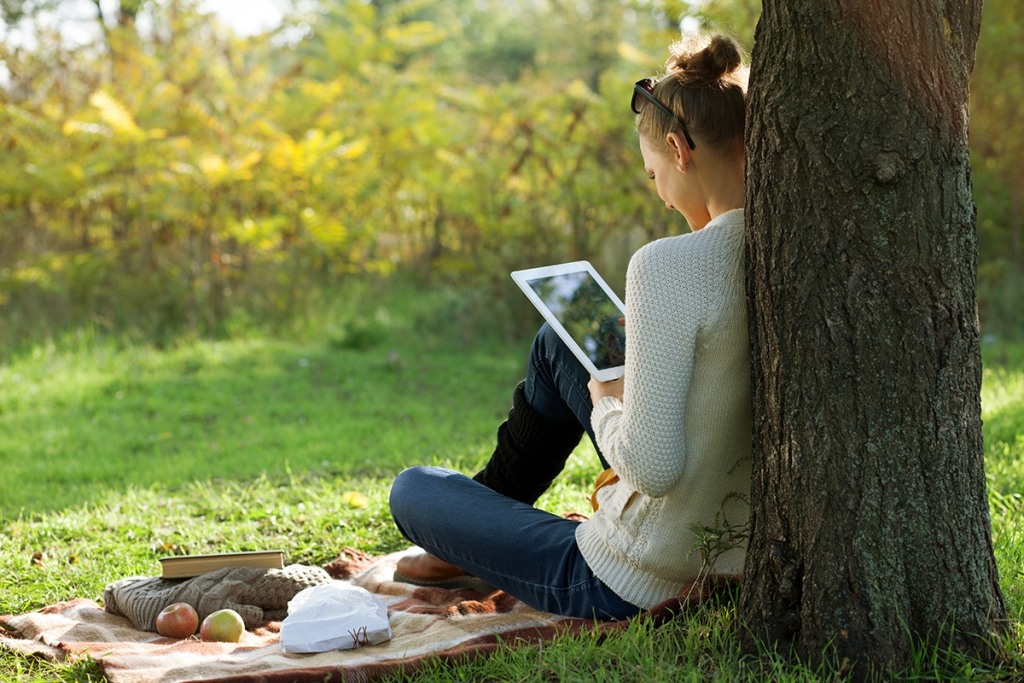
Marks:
<point>719,537</point>
<point>1000,292</point>
<point>997,98</point>
<point>180,180</point>
<point>360,333</point>
<point>164,181</point>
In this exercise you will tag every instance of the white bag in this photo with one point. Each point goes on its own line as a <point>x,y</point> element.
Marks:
<point>334,616</point>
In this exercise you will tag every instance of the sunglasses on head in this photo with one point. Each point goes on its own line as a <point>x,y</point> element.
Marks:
<point>644,87</point>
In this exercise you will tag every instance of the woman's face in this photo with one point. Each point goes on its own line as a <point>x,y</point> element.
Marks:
<point>679,189</point>
<point>664,171</point>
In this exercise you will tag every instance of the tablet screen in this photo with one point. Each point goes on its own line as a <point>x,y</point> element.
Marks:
<point>587,314</point>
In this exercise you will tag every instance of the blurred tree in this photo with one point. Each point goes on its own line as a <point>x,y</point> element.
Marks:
<point>997,145</point>
<point>163,178</point>
<point>15,12</point>
<point>997,99</point>
<point>155,190</point>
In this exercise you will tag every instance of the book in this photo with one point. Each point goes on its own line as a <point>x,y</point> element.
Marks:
<point>183,566</point>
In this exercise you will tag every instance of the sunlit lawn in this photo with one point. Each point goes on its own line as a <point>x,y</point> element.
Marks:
<point>112,456</point>
<point>75,423</point>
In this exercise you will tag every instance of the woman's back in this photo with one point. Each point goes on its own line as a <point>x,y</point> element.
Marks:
<point>680,438</point>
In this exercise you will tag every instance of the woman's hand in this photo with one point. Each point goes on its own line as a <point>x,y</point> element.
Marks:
<point>599,390</point>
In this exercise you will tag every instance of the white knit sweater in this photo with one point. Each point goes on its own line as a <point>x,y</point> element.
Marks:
<point>680,438</point>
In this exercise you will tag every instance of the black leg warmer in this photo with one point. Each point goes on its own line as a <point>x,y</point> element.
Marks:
<point>530,453</point>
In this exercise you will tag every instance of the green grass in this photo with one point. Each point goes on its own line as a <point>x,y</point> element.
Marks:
<point>115,455</point>
<point>236,409</point>
<point>1003,415</point>
<point>98,417</point>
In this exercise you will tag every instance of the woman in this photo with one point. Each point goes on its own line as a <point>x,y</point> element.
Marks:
<point>675,429</point>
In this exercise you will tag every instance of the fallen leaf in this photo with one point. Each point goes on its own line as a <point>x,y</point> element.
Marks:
<point>355,499</point>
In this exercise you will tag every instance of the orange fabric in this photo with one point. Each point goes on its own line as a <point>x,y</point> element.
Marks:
<point>603,479</point>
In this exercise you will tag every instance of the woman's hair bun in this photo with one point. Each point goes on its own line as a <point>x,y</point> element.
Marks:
<point>706,90</point>
<point>705,60</point>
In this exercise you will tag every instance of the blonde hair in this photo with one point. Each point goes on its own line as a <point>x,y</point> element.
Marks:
<point>705,86</point>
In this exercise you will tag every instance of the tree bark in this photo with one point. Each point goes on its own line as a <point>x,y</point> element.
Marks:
<point>870,527</point>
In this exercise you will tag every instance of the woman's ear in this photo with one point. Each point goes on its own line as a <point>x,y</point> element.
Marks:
<point>679,150</point>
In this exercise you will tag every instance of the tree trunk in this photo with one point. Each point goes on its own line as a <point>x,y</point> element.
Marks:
<point>870,523</point>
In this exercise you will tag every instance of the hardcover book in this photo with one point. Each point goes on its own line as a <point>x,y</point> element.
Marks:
<point>182,566</point>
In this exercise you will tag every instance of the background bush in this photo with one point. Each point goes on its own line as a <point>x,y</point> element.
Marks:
<point>169,178</point>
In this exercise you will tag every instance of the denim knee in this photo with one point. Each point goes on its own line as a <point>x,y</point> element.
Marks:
<point>545,343</point>
<point>403,491</point>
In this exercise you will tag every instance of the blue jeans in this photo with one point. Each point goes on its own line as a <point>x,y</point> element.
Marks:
<point>529,553</point>
<point>556,383</point>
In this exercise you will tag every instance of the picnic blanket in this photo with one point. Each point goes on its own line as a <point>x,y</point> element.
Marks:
<point>428,624</point>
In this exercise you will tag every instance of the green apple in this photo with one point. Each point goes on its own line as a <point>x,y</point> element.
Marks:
<point>177,621</point>
<point>225,626</point>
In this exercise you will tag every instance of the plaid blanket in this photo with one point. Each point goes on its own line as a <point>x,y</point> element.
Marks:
<point>428,624</point>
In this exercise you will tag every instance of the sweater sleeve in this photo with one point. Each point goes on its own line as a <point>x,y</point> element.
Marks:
<point>668,296</point>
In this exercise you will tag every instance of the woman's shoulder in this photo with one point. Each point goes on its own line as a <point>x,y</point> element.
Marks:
<point>701,249</point>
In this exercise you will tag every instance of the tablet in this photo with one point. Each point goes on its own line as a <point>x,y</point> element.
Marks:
<point>583,310</point>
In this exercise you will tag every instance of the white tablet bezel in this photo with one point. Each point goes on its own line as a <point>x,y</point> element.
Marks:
<point>522,278</point>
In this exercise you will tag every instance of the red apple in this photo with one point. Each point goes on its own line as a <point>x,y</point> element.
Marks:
<point>177,621</point>
<point>225,626</point>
